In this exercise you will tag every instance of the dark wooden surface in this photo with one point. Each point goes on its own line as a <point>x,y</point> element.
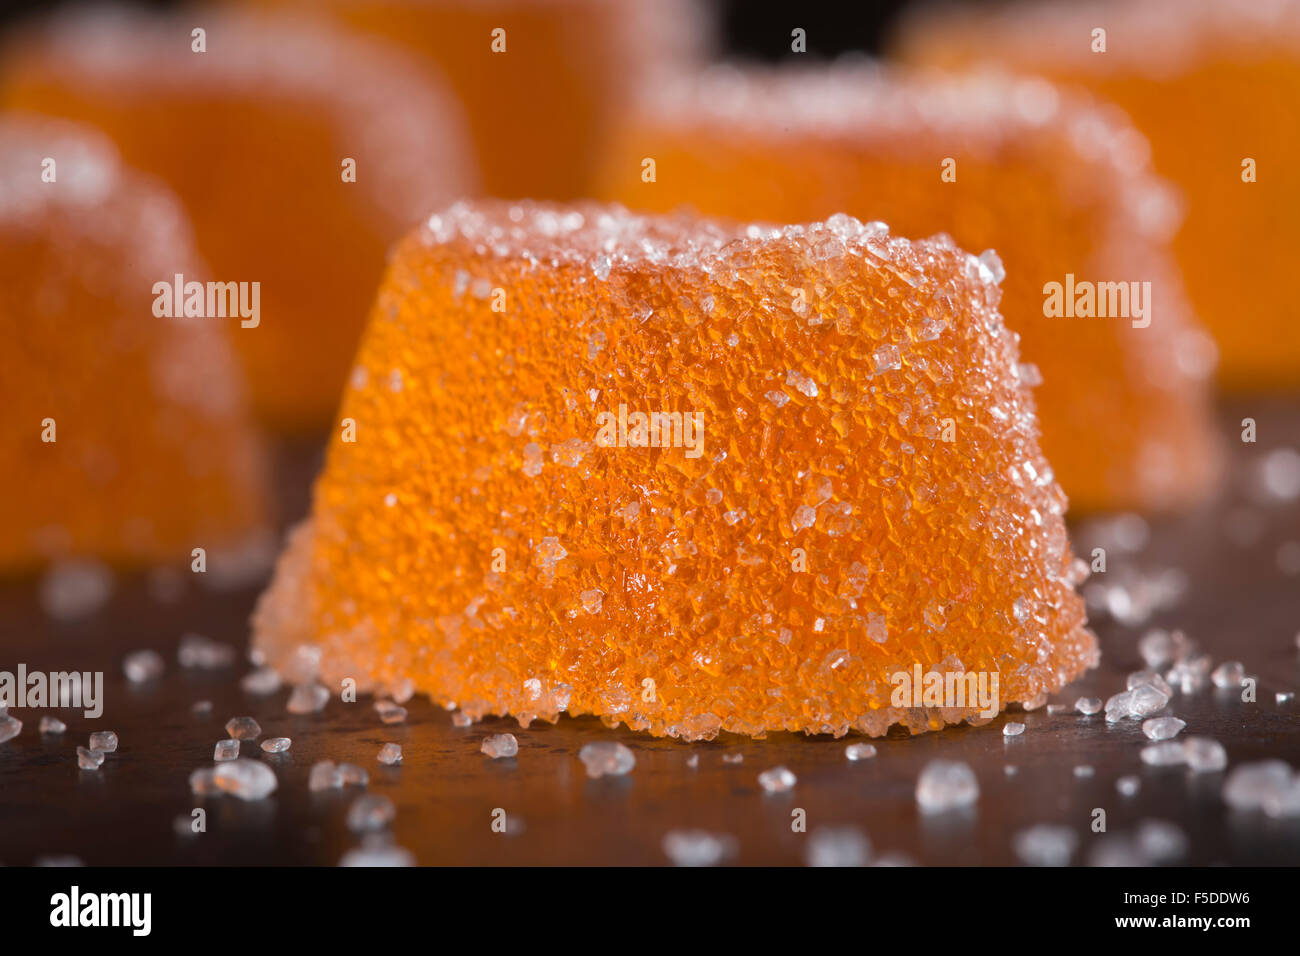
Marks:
<point>1239,605</point>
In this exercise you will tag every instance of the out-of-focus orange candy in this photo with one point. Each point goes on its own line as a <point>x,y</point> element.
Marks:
<point>125,437</point>
<point>853,489</point>
<point>1214,86</point>
<point>257,134</point>
<point>541,80</point>
<point>1058,186</point>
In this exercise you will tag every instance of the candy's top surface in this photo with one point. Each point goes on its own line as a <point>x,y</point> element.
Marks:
<point>987,114</point>
<point>1153,36</point>
<point>367,91</point>
<point>84,165</point>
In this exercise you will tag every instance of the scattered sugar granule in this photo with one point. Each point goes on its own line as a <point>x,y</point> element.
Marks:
<point>183,825</point>
<point>201,708</point>
<point>946,785</point>
<point>1012,729</point>
<point>350,775</point>
<point>1055,709</point>
<point>860,751</point>
<point>1128,786</point>
<point>370,812</point>
<point>276,745</point>
<point>390,754</point>
<point>1228,674</point>
<point>202,653</point>
<point>1010,770</point>
<point>777,780</point>
<point>697,847</point>
<point>1283,697</point>
<point>1204,754</point>
<point>1083,771</point>
<point>1119,707</point>
<point>89,759</point>
<point>461,719</point>
<point>498,746</point>
<point>261,682</point>
<point>1138,678</point>
<point>607,758</point>
<point>243,728</point>
<point>1160,841</point>
<point>143,666</point>
<point>1047,844</point>
<point>1252,785</point>
<point>52,725</point>
<point>389,712</point>
<point>377,850</point>
<point>1168,753</point>
<point>1147,699</point>
<point>226,750</point>
<point>245,779</point>
<point>308,699</point>
<point>71,590</point>
<point>203,782</point>
<point>10,727</point>
<point>324,775</point>
<point>104,741</point>
<point>1088,705</point>
<point>837,847</point>
<point>1163,728</point>
<point>693,761</point>
<point>733,758</point>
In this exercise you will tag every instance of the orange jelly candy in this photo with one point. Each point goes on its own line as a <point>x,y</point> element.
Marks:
<point>684,476</point>
<point>542,80</point>
<point>1057,185</point>
<point>125,437</point>
<point>1214,86</point>
<point>294,149</point>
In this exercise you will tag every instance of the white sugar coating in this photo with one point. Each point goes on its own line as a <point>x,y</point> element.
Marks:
<point>1046,844</point>
<point>368,88</point>
<point>377,850</point>
<point>946,785</point>
<point>370,812</point>
<point>697,847</point>
<point>307,699</point>
<point>246,779</point>
<point>143,666</point>
<point>226,750</point>
<point>261,682</point>
<point>10,727</point>
<point>203,782</point>
<point>860,751</point>
<point>276,745</point>
<point>1167,753</point>
<point>1204,754</point>
<point>1129,785</point>
<point>350,775</point>
<point>1160,37</point>
<point>1163,728</point>
<point>1228,674</point>
<point>837,846</point>
<point>777,780</point>
<point>243,728</point>
<point>324,775</point>
<point>582,232</point>
<point>607,758</point>
<point>1160,841</point>
<point>74,589</point>
<point>52,725</point>
<point>1250,785</point>
<point>1012,729</point>
<point>203,653</point>
<point>1088,705</point>
<point>104,740</point>
<point>497,746</point>
<point>89,759</point>
<point>390,754</point>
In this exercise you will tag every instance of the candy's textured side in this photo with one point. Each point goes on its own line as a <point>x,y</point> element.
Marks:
<point>868,494</point>
<point>126,437</point>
